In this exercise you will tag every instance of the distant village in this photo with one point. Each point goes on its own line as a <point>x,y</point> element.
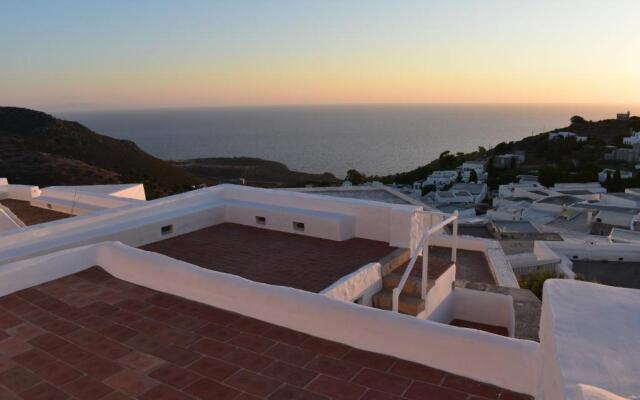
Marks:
<point>524,210</point>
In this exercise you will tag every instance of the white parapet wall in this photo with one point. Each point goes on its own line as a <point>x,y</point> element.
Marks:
<point>484,308</point>
<point>361,284</point>
<point>80,200</point>
<point>19,192</point>
<point>589,334</point>
<point>506,362</point>
<point>593,252</point>
<point>398,225</point>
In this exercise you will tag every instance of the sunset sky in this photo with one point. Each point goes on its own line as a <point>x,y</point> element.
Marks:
<point>75,55</point>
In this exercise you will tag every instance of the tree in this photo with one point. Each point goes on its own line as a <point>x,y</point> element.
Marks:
<point>473,176</point>
<point>549,176</point>
<point>614,183</point>
<point>576,119</point>
<point>356,177</point>
<point>447,160</point>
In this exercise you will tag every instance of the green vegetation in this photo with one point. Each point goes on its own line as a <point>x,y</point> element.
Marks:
<point>557,161</point>
<point>535,281</point>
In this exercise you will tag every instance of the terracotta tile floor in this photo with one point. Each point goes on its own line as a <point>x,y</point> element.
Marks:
<point>31,215</point>
<point>272,257</point>
<point>92,336</point>
<point>470,265</point>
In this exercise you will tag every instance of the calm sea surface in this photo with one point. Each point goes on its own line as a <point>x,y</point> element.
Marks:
<point>373,139</point>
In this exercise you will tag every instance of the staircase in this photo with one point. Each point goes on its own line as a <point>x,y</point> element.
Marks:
<point>405,289</point>
<point>411,301</point>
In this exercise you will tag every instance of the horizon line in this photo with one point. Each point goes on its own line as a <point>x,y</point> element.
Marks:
<point>312,105</point>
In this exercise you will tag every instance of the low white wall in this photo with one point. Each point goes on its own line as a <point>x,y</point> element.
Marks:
<point>506,362</point>
<point>135,192</point>
<point>593,252</point>
<point>438,293</point>
<point>78,202</point>
<point>363,283</point>
<point>589,334</point>
<point>20,192</point>
<point>543,252</point>
<point>398,225</point>
<point>484,308</point>
<point>391,223</point>
<point>8,221</point>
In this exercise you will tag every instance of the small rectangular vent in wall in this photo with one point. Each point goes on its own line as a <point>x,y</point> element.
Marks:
<point>167,229</point>
<point>261,220</point>
<point>298,226</point>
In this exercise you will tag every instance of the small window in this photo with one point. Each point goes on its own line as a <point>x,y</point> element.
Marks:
<point>298,226</point>
<point>574,257</point>
<point>49,205</point>
<point>620,258</point>
<point>167,229</point>
<point>261,220</point>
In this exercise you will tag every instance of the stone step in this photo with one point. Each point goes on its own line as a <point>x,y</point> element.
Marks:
<point>395,259</point>
<point>410,305</point>
<point>411,287</point>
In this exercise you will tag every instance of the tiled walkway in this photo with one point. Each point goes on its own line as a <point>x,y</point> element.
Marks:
<point>91,336</point>
<point>272,257</point>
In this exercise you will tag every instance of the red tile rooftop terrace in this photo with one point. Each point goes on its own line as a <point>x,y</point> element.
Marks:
<point>91,336</point>
<point>302,262</point>
<point>272,257</point>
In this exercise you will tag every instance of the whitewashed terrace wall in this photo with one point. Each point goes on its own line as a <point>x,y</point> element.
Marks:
<point>398,225</point>
<point>506,362</point>
<point>542,251</point>
<point>485,308</point>
<point>20,192</point>
<point>593,252</point>
<point>363,284</point>
<point>78,202</point>
<point>589,334</point>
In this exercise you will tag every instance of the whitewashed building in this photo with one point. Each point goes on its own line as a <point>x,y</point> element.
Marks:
<point>566,135</point>
<point>441,179</point>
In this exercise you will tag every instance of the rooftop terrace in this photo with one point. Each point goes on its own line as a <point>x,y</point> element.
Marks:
<point>298,261</point>
<point>273,257</point>
<point>92,336</point>
<point>31,215</point>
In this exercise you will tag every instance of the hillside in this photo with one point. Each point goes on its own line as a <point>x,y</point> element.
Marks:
<point>553,161</point>
<point>38,149</point>
<point>255,172</point>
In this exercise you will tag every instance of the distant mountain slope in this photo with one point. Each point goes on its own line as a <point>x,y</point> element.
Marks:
<point>36,148</point>
<point>254,171</point>
<point>565,161</point>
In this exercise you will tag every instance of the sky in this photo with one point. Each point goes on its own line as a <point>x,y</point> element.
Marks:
<point>68,55</point>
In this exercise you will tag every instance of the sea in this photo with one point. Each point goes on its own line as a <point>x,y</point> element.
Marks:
<point>374,139</point>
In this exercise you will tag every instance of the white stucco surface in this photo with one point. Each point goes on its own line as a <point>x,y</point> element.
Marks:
<point>595,336</point>
<point>363,283</point>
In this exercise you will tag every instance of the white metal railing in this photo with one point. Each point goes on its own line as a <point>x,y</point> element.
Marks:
<point>422,248</point>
